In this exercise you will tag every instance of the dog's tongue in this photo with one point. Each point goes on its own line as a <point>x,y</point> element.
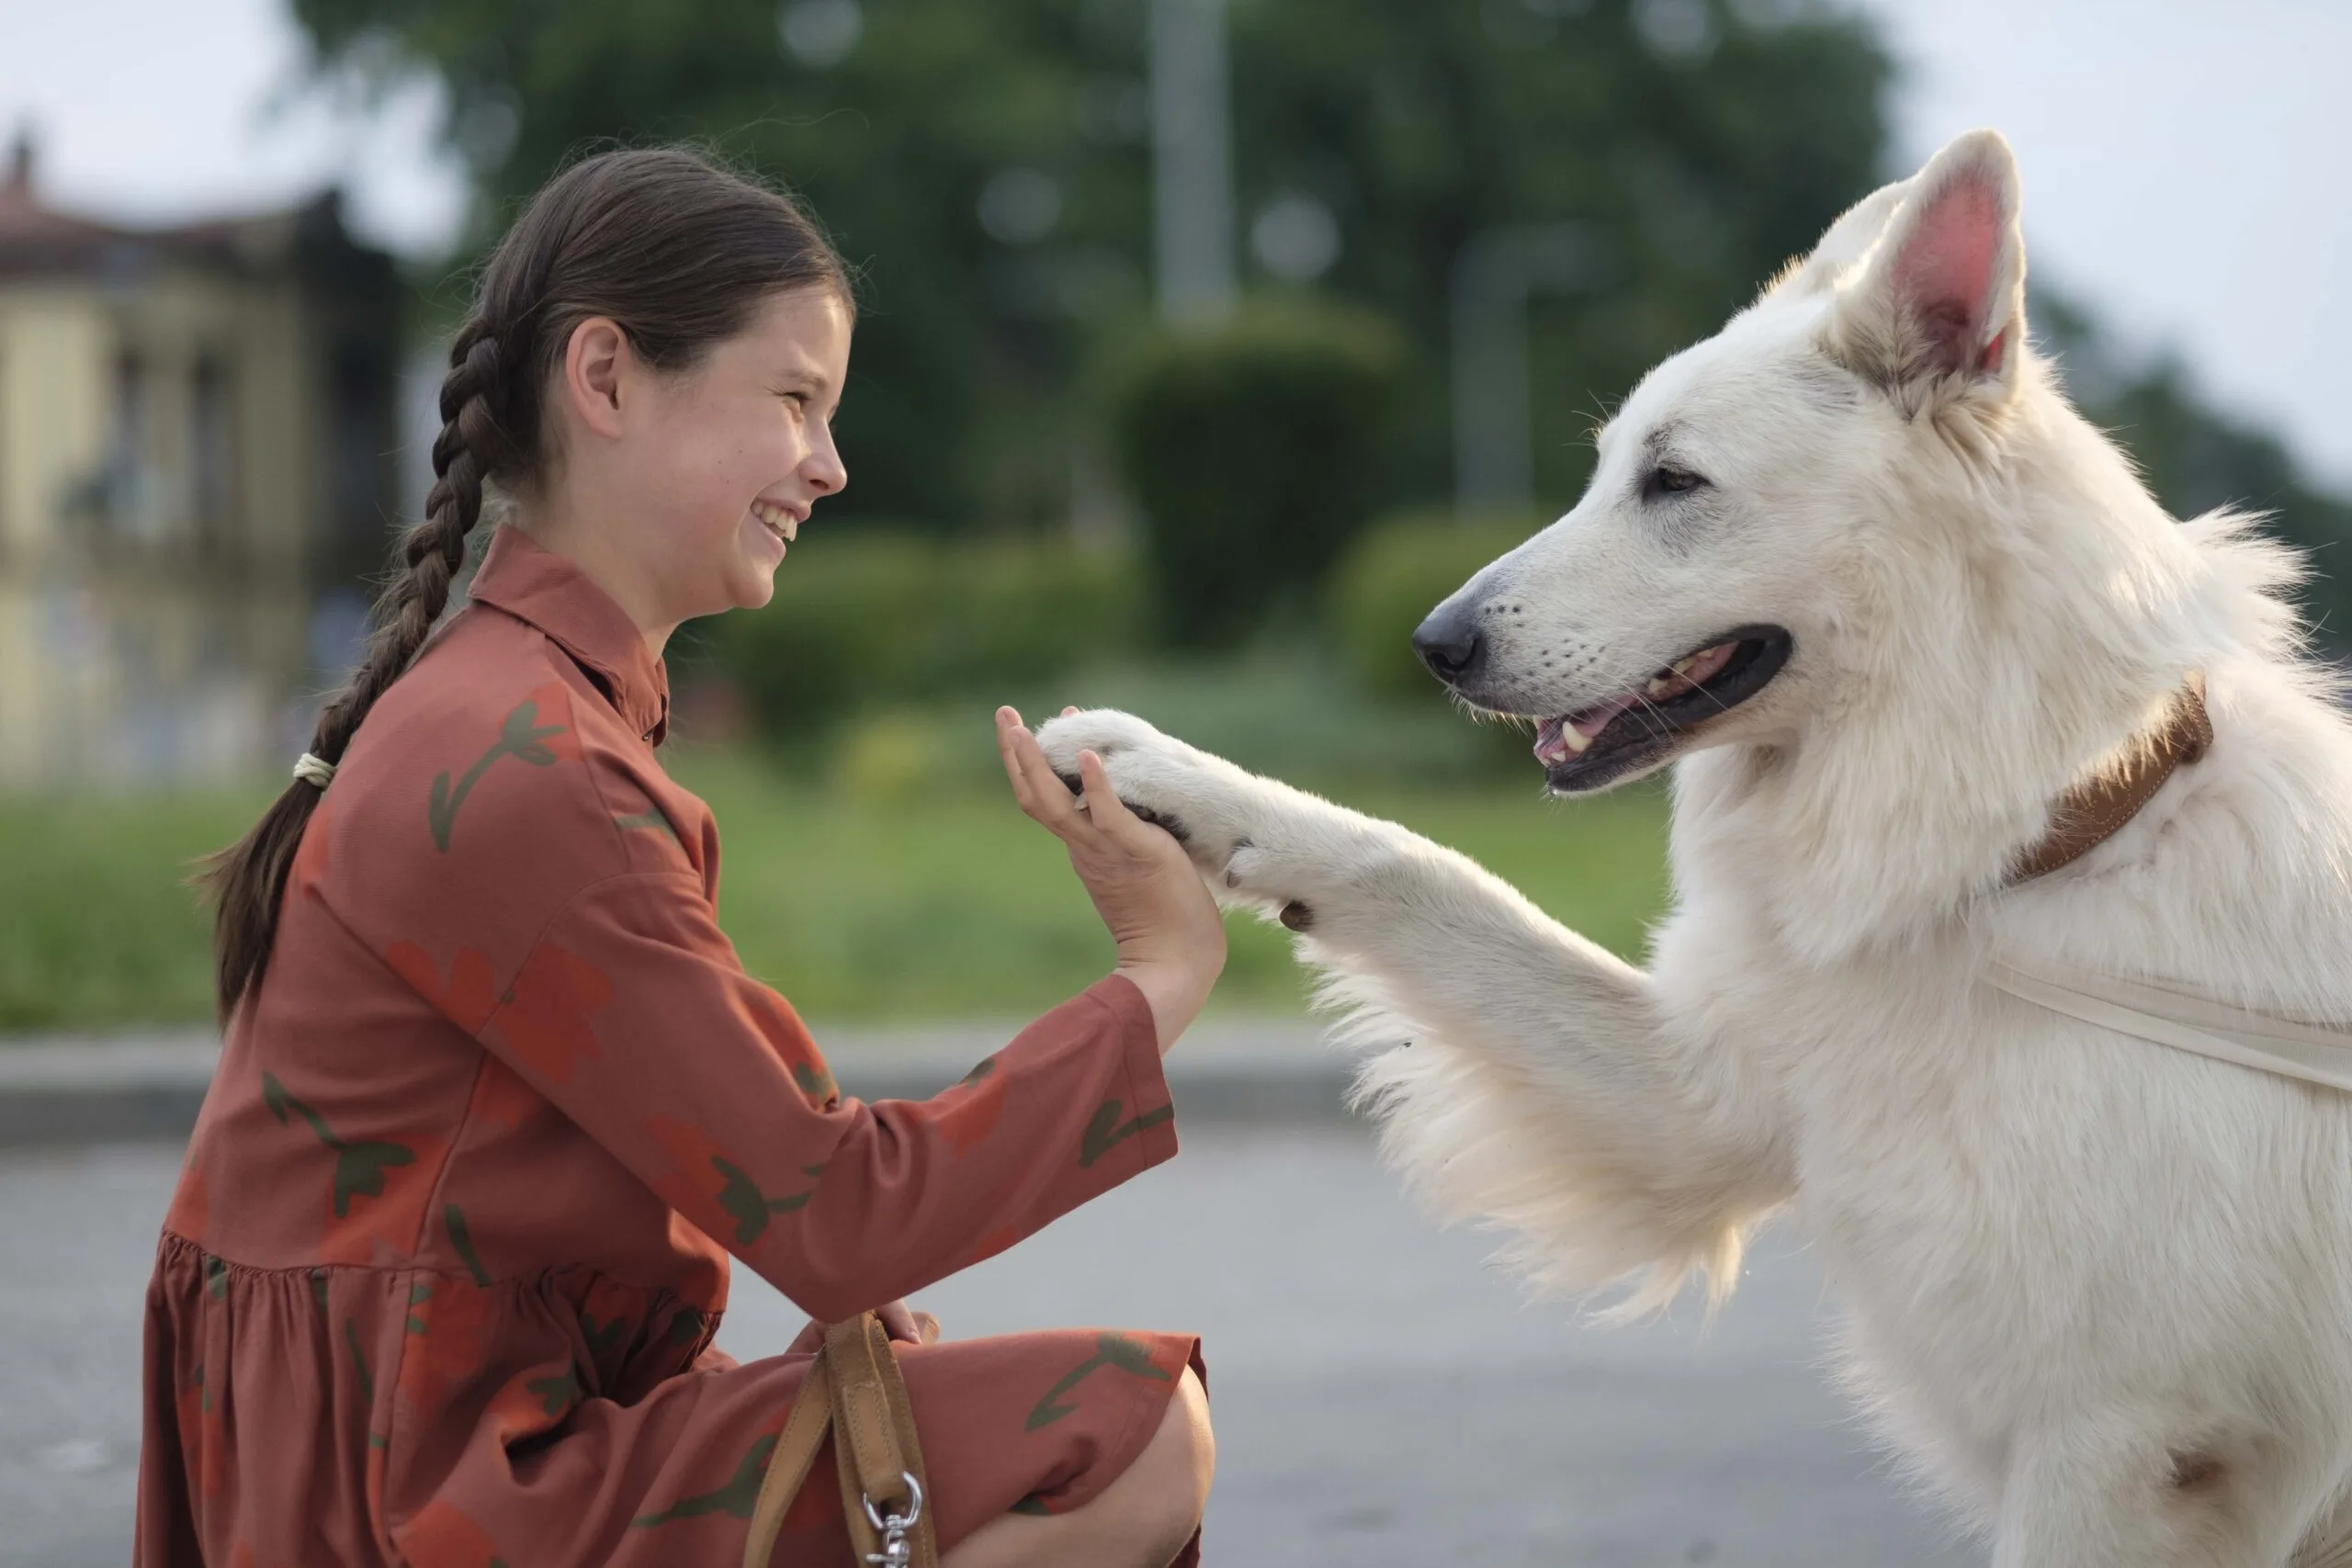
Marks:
<point>1589,723</point>
<point>1552,743</point>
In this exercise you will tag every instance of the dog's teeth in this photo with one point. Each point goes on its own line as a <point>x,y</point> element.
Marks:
<point>1682,666</point>
<point>1576,740</point>
<point>1657,686</point>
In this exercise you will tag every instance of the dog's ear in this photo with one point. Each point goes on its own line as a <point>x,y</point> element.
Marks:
<point>1846,240</point>
<point>1937,305</point>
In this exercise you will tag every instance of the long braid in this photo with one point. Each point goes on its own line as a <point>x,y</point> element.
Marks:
<point>674,249</point>
<point>432,552</point>
<point>466,452</point>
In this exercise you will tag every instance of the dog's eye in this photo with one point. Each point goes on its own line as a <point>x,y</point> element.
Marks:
<point>1665,481</point>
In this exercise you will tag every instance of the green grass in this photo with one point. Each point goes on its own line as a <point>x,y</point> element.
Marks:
<point>96,930</point>
<point>900,908</point>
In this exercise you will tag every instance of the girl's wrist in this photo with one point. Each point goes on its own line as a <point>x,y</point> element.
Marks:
<point>1174,991</point>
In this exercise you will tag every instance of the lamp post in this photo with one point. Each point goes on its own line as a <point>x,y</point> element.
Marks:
<point>1497,271</point>
<point>1192,160</point>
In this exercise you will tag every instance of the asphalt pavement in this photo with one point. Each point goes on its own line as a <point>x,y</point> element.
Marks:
<point>1383,1398</point>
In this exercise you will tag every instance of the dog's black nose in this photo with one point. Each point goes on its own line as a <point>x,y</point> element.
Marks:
<point>1450,643</point>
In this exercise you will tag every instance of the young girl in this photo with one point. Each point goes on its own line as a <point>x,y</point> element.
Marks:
<point>497,1101</point>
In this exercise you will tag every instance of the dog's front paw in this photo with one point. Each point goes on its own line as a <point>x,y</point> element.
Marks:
<point>1203,801</point>
<point>1256,842</point>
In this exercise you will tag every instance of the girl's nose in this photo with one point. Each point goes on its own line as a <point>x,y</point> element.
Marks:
<point>824,471</point>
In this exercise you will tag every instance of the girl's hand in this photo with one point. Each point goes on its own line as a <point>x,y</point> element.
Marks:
<point>1170,935</point>
<point>905,1326</point>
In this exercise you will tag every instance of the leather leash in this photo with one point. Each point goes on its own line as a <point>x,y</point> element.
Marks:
<point>855,1393</point>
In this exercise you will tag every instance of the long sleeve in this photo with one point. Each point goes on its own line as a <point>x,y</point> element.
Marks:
<point>632,1014</point>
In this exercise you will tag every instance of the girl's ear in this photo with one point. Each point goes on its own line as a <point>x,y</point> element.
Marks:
<point>595,361</point>
<point>1936,307</point>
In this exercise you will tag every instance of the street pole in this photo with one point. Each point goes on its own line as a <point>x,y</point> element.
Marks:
<point>1496,273</point>
<point>1192,160</point>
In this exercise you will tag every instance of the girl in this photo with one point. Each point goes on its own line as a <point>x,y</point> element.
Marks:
<point>497,1101</point>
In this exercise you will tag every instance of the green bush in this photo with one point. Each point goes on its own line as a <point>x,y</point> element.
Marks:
<point>1392,576</point>
<point>871,620</point>
<point>1255,449</point>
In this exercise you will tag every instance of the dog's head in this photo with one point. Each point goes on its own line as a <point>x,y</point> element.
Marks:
<point>1752,490</point>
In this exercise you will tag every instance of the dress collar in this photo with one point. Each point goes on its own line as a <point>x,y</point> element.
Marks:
<point>535,584</point>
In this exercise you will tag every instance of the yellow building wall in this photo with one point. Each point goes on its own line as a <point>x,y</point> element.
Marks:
<point>54,412</point>
<point>127,653</point>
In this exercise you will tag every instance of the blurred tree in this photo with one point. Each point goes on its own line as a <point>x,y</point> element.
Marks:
<point>1699,146</point>
<point>982,166</point>
<point>985,164</point>
<point>2196,458</point>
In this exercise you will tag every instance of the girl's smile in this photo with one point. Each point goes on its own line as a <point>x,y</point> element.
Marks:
<point>782,521</point>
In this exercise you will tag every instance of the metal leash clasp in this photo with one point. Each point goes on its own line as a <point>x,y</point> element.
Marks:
<point>897,1551</point>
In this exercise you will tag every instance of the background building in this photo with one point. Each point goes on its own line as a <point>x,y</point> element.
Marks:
<point>197,450</point>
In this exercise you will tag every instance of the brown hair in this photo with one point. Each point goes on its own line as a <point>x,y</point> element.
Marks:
<point>679,253</point>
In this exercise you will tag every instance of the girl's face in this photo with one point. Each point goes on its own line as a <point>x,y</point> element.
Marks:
<point>683,492</point>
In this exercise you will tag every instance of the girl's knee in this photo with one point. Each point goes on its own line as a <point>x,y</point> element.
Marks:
<point>1187,1418</point>
<point>1178,1464</point>
<point>1144,1517</point>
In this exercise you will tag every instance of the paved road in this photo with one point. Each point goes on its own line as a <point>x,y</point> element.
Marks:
<point>1383,1400</point>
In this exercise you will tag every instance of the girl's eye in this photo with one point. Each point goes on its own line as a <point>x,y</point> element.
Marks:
<point>1665,481</point>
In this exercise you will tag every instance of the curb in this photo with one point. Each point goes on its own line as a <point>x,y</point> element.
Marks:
<point>147,1087</point>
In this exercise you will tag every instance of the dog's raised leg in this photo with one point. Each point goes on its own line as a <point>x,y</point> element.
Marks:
<point>1532,1078</point>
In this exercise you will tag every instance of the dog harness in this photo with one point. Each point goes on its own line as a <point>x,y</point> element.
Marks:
<point>2086,816</point>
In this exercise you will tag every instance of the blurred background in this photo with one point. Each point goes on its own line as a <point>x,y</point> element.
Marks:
<point>1204,345</point>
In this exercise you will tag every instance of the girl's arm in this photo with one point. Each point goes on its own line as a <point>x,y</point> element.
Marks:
<point>634,1017</point>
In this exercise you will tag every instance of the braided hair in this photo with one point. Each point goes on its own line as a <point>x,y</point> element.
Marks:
<point>676,251</point>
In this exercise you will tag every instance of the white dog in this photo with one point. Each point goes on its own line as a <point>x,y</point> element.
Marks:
<point>1858,565</point>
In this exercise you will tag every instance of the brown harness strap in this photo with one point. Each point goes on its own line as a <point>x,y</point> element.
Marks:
<point>2088,814</point>
<point>854,1391</point>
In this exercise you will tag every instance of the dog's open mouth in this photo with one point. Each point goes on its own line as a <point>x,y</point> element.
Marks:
<point>1592,747</point>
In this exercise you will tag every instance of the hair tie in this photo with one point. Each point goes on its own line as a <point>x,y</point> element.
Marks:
<point>314,769</point>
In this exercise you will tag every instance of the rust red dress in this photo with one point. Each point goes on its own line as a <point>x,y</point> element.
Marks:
<point>440,1279</point>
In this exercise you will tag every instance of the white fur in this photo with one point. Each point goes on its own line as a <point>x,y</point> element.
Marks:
<point>2071,1262</point>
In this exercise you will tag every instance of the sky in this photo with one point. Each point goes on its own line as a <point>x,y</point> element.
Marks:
<point>2181,158</point>
<point>160,109</point>
<point>2183,165</point>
